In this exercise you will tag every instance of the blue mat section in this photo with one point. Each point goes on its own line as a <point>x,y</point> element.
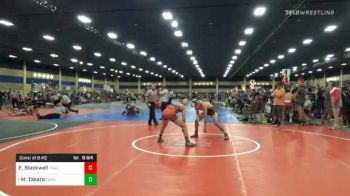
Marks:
<point>114,113</point>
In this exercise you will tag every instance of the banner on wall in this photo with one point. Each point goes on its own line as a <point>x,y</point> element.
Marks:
<point>285,76</point>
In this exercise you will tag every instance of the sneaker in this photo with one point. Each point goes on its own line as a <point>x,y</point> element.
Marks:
<point>190,144</point>
<point>160,140</point>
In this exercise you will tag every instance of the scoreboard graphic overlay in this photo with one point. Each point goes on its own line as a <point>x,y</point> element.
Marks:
<point>56,169</point>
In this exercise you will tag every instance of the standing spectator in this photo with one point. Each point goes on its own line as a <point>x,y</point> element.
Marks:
<point>14,99</point>
<point>337,103</point>
<point>2,99</point>
<point>299,100</point>
<point>171,96</point>
<point>308,107</point>
<point>288,105</point>
<point>164,97</point>
<point>151,103</point>
<point>278,104</point>
<point>346,106</point>
<point>66,101</point>
<point>319,106</point>
<point>327,113</point>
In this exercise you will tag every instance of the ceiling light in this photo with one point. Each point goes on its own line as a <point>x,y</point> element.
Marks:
<point>272,61</point>
<point>248,31</point>
<point>184,44</point>
<point>195,62</point>
<point>234,57</point>
<point>37,61</point>
<point>84,19</point>
<point>112,59</point>
<point>97,54</point>
<point>152,59</point>
<point>174,24</point>
<point>12,56</point>
<point>330,67</point>
<point>281,56</point>
<point>165,66</point>
<point>95,72</point>
<point>81,62</point>
<point>330,28</point>
<point>167,15</point>
<point>49,37</point>
<point>238,51</point>
<point>307,41</point>
<point>303,64</point>
<point>84,70</point>
<point>330,55</point>
<point>128,74</point>
<point>259,11</point>
<point>124,63</point>
<point>159,63</point>
<point>232,62</point>
<point>302,73</point>
<point>102,67</point>
<point>120,71</point>
<point>133,66</point>
<point>53,55</point>
<point>261,68</point>
<point>6,23</point>
<point>140,69</point>
<point>266,65</point>
<point>111,69</point>
<point>315,60</point>
<point>196,66</point>
<point>27,49</point>
<point>112,35</point>
<point>193,58</point>
<point>130,46</point>
<point>143,53</point>
<point>189,52</point>
<point>77,47</point>
<point>56,65</point>
<point>89,64</point>
<point>242,43</point>
<point>71,67</point>
<point>152,73</point>
<point>291,50</point>
<point>343,64</point>
<point>146,71</point>
<point>310,72</point>
<point>74,60</point>
<point>178,33</point>
<point>347,49</point>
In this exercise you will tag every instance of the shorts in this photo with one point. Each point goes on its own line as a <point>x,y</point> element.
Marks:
<point>288,105</point>
<point>212,113</point>
<point>328,107</point>
<point>277,111</point>
<point>169,113</point>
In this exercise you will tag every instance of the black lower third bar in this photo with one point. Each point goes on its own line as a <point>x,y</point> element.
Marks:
<point>56,157</point>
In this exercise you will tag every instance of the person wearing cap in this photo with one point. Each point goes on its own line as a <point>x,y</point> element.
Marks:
<point>203,110</point>
<point>278,104</point>
<point>170,114</point>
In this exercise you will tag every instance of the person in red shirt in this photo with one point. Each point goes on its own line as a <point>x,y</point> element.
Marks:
<point>337,103</point>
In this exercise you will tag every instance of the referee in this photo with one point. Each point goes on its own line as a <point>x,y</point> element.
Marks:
<point>151,103</point>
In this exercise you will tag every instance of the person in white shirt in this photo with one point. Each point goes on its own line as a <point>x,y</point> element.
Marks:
<point>151,98</point>
<point>68,103</point>
<point>164,98</point>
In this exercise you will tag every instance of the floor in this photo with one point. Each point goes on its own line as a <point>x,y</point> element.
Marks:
<point>259,160</point>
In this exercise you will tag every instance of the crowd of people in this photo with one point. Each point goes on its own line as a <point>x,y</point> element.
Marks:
<point>287,104</point>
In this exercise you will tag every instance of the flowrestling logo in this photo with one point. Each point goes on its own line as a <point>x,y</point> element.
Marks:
<point>309,12</point>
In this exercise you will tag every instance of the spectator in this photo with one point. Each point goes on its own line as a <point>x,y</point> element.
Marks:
<point>299,100</point>
<point>278,104</point>
<point>288,105</point>
<point>151,103</point>
<point>337,103</point>
<point>14,99</point>
<point>171,96</point>
<point>327,114</point>
<point>308,107</point>
<point>346,106</point>
<point>164,97</point>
